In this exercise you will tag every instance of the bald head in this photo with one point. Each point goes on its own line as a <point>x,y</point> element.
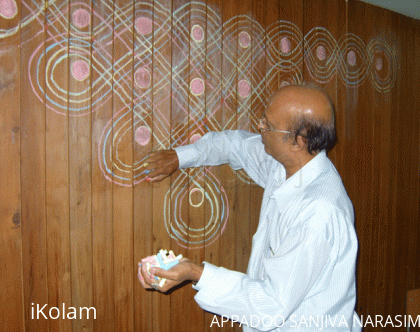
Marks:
<point>310,113</point>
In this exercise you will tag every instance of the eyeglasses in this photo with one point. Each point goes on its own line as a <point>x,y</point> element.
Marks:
<point>264,127</point>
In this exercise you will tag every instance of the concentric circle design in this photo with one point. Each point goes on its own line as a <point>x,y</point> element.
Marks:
<point>354,63</point>
<point>284,45</point>
<point>177,221</point>
<point>321,54</point>
<point>383,65</point>
<point>116,139</point>
<point>215,75</point>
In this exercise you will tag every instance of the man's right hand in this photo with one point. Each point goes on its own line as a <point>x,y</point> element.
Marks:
<point>161,164</point>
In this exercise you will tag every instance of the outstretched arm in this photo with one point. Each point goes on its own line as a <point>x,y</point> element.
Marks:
<point>239,149</point>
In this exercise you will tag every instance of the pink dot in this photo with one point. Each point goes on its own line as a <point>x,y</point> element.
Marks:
<point>197,33</point>
<point>244,89</point>
<point>379,64</point>
<point>80,70</point>
<point>197,86</point>
<point>351,58</point>
<point>244,39</point>
<point>194,138</point>
<point>321,52</point>
<point>142,78</point>
<point>143,25</point>
<point>8,8</point>
<point>285,45</point>
<point>143,135</point>
<point>81,18</point>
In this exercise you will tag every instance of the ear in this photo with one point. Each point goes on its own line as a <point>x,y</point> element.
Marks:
<point>299,144</point>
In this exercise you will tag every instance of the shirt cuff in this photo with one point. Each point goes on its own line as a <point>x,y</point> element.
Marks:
<point>206,276</point>
<point>187,156</point>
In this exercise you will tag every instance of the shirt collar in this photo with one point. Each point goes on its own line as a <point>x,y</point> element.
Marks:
<point>300,180</point>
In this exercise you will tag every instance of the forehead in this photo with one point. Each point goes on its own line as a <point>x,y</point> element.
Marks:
<point>278,108</point>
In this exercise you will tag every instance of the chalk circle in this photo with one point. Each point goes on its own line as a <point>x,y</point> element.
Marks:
<point>285,45</point>
<point>81,18</point>
<point>142,78</point>
<point>143,25</point>
<point>379,63</point>
<point>351,58</point>
<point>197,86</point>
<point>196,197</point>
<point>244,88</point>
<point>80,70</point>
<point>321,52</point>
<point>244,39</point>
<point>143,135</point>
<point>197,33</point>
<point>194,138</point>
<point>8,9</point>
<point>284,83</point>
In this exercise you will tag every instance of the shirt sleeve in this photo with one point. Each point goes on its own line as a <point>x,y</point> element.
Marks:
<point>240,149</point>
<point>290,276</point>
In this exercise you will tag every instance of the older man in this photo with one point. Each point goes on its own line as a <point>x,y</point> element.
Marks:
<point>301,272</point>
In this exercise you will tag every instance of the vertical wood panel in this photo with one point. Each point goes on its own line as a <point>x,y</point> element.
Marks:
<point>162,46</point>
<point>417,170</point>
<point>143,123</point>
<point>213,117</point>
<point>80,161</point>
<point>179,207</point>
<point>57,153</point>
<point>11,291</point>
<point>102,198</point>
<point>406,136</point>
<point>32,93</point>
<point>243,89</point>
<point>228,122</point>
<point>196,29</point>
<point>122,133</point>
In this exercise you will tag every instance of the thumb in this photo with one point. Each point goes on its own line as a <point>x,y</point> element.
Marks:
<point>158,272</point>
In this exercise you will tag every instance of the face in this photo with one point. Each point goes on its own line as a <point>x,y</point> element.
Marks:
<point>277,144</point>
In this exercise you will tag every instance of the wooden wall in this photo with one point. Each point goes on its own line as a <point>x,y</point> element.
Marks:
<point>89,88</point>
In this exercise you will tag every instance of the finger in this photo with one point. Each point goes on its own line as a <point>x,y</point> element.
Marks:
<point>148,279</point>
<point>172,274</point>
<point>139,275</point>
<point>141,279</point>
<point>158,178</point>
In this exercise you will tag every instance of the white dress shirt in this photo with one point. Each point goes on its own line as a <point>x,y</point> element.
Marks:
<point>301,273</point>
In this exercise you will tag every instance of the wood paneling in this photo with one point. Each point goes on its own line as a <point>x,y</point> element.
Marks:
<point>89,88</point>
<point>11,267</point>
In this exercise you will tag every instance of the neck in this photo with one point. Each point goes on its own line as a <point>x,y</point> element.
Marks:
<point>297,164</point>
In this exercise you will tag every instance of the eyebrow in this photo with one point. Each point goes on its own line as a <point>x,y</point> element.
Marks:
<point>267,122</point>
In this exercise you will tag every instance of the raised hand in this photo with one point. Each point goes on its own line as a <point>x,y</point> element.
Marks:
<point>161,164</point>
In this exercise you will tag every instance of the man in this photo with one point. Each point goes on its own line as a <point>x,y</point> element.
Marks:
<point>301,272</point>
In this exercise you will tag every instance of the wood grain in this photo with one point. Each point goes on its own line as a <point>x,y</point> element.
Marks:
<point>32,112</point>
<point>11,267</point>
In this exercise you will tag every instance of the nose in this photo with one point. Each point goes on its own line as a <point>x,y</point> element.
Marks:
<point>260,125</point>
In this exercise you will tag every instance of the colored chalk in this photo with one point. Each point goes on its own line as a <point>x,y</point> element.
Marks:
<point>162,259</point>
